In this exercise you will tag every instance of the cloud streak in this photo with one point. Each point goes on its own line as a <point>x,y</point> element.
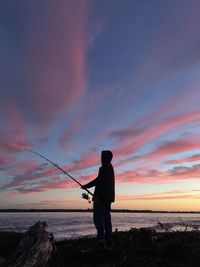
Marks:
<point>183,160</point>
<point>155,176</point>
<point>58,59</point>
<point>52,63</point>
<point>177,194</point>
<point>151,132</point>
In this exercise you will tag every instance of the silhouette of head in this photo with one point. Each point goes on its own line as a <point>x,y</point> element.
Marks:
<point>106,156</point>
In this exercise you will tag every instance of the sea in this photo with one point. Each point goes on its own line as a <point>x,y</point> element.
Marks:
<point>69,225</point>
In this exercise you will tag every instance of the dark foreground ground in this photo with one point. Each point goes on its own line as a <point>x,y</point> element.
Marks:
<point>137,248</point>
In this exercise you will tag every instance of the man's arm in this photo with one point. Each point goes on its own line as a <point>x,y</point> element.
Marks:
<point>91,184</point>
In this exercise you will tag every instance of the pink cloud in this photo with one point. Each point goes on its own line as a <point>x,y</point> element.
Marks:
<point>14,117</point>
<point>131,139</point>
<point>172,147</point>
<point>11,144</point>
<point>154,176</point>
<point>30,177</point>
<point>42,178</point>
<point>28,166</point>
<point>188,159</point>
<point>152,132</point>
<point>56,56</point>
<point>28,172</point>
<point>14,133</point>
<point>86,161</point>
<point>52,183</point>
<point>6,159</point>
<point>140,175</point>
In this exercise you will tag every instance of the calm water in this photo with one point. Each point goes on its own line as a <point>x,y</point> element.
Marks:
<point>74,224</point>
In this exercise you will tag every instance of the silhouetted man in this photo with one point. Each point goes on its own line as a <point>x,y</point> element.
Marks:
<point>104,195</point>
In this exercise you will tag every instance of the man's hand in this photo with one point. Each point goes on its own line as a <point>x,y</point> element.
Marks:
<point>84,187</point>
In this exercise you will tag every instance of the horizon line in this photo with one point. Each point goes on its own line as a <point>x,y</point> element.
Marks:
<point>90,210</point>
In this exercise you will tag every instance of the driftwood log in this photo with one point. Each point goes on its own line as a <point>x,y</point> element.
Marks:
<point>34,250</point>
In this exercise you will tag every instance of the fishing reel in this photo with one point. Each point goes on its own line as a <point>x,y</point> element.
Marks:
<point>86,196</point>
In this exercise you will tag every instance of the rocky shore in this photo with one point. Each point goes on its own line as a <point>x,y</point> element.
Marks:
<point>137,247</point>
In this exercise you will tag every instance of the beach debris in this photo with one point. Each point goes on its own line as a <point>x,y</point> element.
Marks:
<point>143,236</point>
<point>167,227</point>
<point>177,226</point>
<point>35,248</point>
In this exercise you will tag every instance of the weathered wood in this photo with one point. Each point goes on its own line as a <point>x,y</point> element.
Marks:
<point>34,250</point>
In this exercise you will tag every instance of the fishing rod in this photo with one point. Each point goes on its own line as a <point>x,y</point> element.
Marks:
<point>84,195</point>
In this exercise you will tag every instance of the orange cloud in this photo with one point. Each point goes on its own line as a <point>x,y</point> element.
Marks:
<point>176,194</point>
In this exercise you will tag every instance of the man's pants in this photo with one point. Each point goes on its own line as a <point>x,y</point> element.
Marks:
<point>102,221</point>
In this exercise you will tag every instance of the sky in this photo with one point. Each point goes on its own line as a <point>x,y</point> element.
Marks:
<point>81,76</point>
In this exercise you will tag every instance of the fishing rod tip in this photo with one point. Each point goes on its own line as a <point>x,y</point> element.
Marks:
<point>28,150</point>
